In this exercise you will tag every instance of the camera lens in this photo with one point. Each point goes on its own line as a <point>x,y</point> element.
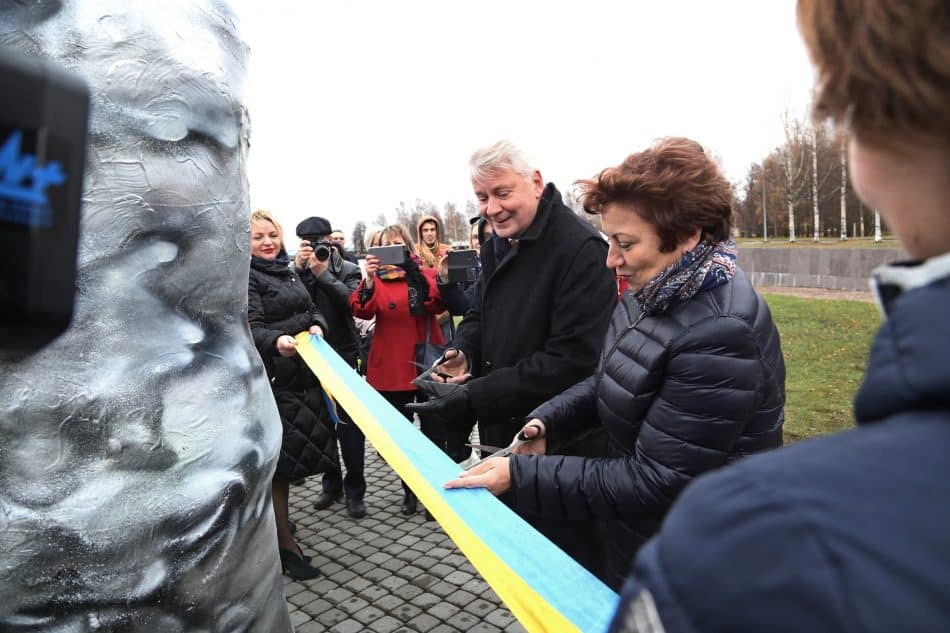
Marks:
<point>321,252</point>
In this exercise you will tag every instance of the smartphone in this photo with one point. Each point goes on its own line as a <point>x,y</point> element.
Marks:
<point>395,254</point>
<point>463,266</point>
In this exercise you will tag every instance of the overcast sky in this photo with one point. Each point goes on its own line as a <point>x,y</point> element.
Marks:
<point>356,106</point>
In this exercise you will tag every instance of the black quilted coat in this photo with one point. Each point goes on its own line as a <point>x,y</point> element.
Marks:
<point>278,303</point>
<point>679,394</point>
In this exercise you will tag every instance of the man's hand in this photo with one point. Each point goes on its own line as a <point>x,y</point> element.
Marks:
<point>316,329</point>
<point>494,474</point>
<point>454,365</point>
<point>446,401</point>
<point>304,255</point>
<point>533,430</point>
<point>317,267</point>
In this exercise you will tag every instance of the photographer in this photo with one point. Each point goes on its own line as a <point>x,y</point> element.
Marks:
<point>330,280</point>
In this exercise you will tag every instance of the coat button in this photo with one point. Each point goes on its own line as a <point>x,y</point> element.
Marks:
<point>487,365</point>
<point>392,306</point>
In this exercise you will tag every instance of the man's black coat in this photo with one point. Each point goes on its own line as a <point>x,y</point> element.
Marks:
<point>538,320</point>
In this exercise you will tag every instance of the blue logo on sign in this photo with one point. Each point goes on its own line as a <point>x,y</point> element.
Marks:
<point>23,184</point>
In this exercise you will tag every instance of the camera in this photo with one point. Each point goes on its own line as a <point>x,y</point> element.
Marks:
<point>463,266</point>
<point>43,122</point>
<point>321,248</point>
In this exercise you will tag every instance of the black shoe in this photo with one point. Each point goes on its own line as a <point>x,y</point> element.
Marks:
<point>355,508</point>
<point>296,567</point>
<point>429,516</point>
<point>408,504</point>
<point>326,499</point>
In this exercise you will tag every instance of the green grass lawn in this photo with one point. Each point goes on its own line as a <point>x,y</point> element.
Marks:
<point>826,344</point>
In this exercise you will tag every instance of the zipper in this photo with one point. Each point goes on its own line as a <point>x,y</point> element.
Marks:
<point>613,348</point>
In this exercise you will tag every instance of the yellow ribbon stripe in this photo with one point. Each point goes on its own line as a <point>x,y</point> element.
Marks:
<point>544,588</point>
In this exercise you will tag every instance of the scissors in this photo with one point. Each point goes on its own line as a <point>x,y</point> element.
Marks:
<point>519,440</point>
<point>428,371</point>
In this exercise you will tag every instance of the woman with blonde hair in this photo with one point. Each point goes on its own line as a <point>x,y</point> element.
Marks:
<point>278,308</point>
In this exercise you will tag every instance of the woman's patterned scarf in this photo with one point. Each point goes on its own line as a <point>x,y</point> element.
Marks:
<point>708,265</point>
<point>418,286</point>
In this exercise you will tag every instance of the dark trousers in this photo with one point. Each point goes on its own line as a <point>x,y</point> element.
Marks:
<point>352,447</point>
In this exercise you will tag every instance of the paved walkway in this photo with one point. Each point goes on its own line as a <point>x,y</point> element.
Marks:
<point>385,572</point>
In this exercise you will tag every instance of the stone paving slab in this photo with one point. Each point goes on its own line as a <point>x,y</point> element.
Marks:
<point>386,572</point>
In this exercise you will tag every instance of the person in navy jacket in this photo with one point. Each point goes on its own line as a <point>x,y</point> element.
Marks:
<point>849,532</point>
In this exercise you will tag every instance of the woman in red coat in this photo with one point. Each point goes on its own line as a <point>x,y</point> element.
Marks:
<point>404,299</point>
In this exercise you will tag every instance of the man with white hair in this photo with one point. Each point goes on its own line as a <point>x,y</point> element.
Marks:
<point>541,308</point>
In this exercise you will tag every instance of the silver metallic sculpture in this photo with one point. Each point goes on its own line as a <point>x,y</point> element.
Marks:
<point>136,450</point>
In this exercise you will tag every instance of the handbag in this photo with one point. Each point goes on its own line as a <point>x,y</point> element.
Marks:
<point>428,352</point>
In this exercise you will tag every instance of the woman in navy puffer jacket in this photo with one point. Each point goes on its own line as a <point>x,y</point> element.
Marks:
<point>691,376</point>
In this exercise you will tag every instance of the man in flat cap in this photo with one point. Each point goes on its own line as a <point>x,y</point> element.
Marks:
<point>330,280</point>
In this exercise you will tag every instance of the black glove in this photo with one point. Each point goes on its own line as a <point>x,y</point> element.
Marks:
<point>448,401</point>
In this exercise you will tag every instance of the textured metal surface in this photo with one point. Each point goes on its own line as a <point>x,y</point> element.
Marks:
<point>136,450</point>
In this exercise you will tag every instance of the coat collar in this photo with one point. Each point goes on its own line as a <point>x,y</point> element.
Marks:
<point>550,198</point>
<point>890,281</point>
<point>908,369</point>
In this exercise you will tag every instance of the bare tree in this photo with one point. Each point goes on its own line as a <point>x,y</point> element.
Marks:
<point>877,226</point>
<point>456,226</point>
<point>793,167</point>
<point>814,180</point>
<point>765,213</point>
<point>404,217</point>
<point>842,156</point>
<point>359,238</point>
<point>470,209</point>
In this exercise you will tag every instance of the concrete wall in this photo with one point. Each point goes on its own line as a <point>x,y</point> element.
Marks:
<point>799,267</point>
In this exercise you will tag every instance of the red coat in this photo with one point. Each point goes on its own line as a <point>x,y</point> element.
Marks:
<point>390,367</point>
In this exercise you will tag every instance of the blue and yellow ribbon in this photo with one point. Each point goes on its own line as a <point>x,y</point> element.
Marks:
<point>544,588</point>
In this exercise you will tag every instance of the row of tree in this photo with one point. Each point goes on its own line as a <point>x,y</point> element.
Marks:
<point>454,222</point>
<point>800,190</point>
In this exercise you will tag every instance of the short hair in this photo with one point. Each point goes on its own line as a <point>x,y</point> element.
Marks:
<point>674,185</point>
<point>501,155</point>
<point>883,65</point>
<point>261,215</point>
<point>401,231</point>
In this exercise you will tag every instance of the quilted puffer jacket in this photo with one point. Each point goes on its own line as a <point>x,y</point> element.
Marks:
<point>679,394</point>
<point>278,303</point>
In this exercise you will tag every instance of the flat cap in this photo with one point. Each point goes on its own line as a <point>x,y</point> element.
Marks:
<point>314,226</point>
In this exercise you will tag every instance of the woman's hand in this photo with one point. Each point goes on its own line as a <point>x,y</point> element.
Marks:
<point>494,474</point>
<point>533,430</point>
<point>316,329</point>
<point>454,368</point>
<point>372,266</point>
<point>443,267</point>
<point>286,345</point>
